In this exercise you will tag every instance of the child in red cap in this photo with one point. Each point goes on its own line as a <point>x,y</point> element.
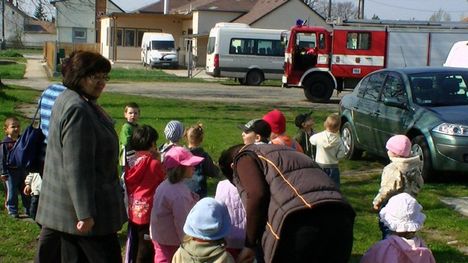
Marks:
<point>401,175</point>
<point>278,135</point>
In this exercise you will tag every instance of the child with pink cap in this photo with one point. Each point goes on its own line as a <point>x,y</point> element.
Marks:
<point>172,202</point>
<point>401,175</point>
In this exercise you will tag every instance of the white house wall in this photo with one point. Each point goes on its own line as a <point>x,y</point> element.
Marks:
<point>105,45</point>
<point>75,14</point>
<point>14,24</point>
<point>285,17</point>
<point>203,21</point>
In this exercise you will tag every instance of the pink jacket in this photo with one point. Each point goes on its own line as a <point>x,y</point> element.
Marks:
<point>395,249</point>
<point>227,193</point>
<point>171,205</point>
<point>143,174</point>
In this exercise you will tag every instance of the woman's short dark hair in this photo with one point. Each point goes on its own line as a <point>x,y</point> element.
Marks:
<point>227,158</point>
<point>82,64</point>
<point>143,138</point>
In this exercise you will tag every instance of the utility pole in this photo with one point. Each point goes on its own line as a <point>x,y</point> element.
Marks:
<point>3,44</point>
<point>329,9</point>
<point>361,9</point>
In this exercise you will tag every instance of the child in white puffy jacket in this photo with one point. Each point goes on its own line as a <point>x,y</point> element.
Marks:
<point>32,187</point>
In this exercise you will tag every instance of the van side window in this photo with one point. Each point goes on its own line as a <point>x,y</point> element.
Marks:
<point>211,45</point>
<point>258,47</point>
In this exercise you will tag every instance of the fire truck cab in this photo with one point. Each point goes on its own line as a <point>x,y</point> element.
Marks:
<point>320,60</point>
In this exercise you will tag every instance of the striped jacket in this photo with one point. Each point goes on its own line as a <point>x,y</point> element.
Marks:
<point>47,101</point>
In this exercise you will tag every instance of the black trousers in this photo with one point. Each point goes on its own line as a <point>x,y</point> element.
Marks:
<point>57,246</point>
<point>139,249</point>
<point>320,235</point>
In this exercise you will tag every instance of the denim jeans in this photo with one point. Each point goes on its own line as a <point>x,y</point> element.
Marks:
<point>15,184</point>
<point>334,174</point>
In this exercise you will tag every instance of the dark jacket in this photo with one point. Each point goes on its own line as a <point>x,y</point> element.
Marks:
<point>206,168</point>
<point>80,175</point>
<point>294,183</point>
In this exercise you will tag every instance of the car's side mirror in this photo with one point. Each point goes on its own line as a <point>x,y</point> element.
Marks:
<point>394,102</point>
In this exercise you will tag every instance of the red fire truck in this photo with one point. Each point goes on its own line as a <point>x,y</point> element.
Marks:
<point>320,60</point>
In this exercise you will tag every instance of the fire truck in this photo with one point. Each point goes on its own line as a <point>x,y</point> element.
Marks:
<point>322,60</point>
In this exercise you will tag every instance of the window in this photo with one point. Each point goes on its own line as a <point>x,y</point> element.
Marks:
<point>79,35</point>
<point>119,37</point>
<point>362,87</point>
<point>306,40</point>
<point>211,45</point>
<point>322,41</point>
<point>129,37</point>
<point>358,40</point>
<point>394,88</point>
<point>258,47</point>
<point>140,37</point>
<point>374,86</point>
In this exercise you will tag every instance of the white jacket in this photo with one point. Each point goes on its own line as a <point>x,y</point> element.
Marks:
<point>329,146</point>
<point>34,180</point>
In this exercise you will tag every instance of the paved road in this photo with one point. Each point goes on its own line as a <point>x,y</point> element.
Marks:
<point>36,78</point>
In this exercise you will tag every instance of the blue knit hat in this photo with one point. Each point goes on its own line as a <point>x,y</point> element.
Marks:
<point>174,131</point>
<point>208,220</point>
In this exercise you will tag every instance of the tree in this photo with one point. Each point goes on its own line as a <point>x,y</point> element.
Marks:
<point>439,16</point>
<point>344,10</point>
<point>375,17</point>
<point>40,12</point>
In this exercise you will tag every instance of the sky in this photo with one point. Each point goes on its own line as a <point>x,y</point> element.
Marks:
<point>385,9</point>
<point>409,9</point>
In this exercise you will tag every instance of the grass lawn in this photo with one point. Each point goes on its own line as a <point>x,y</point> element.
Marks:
<point>18,237</point>
<point>13,70</point>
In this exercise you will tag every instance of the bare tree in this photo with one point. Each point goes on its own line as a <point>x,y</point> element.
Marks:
<point>344,10</point>
<point>440,15</point>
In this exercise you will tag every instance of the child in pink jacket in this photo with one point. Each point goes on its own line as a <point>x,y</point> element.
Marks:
<point>172,203</point>
<point>403,216</point>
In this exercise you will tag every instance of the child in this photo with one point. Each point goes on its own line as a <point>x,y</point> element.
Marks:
<point>132,114</point>
<point>14,177</point>
<point>172,202</point>
<point>206,168</point>
<point>174,131</point>
<point>227,194</point>
<point>278,135</point>
<point>255,131</point>
<point>305,125</point>
<point>33,188</point>
<point>402,174</point>
<point>143,174</point>
<point>330,148</point>
<point>403,216</point>
<point>206,226</point>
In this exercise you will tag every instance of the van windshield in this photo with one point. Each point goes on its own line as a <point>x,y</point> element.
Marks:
<point>162,45</point>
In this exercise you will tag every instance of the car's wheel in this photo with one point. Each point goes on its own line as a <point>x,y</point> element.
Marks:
<point>349,140</point>
<point>318,88</point>
<point>419,147</point>
<point>254,78</point>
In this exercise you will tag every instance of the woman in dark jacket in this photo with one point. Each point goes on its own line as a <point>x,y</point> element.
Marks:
<point>81,200</point>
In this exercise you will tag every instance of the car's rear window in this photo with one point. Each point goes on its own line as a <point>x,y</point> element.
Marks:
<point>439,89</point>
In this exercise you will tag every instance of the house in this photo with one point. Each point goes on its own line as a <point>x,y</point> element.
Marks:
<point>78,21</point>
<point>190,23</point>
<point>20,29</point>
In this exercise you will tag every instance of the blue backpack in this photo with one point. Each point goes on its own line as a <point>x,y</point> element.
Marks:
<point>27,151</point>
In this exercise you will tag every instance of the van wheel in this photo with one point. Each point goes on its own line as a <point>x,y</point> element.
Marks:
<point>318,88</point>
<point>419,147</point>
<point>254,78</point>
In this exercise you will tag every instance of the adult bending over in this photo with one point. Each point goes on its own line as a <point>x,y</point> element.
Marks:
<point>294,211</point>
<point>81,198</point>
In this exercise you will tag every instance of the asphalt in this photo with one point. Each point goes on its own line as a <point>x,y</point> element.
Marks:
<point>36,77</point>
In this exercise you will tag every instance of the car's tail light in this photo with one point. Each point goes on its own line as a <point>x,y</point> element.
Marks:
<point>216,61</point>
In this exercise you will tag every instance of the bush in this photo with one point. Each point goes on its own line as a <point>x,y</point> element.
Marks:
<point>10,54</point>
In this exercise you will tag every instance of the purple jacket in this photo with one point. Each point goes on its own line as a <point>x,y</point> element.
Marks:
<point>395,249</point>
<point>227,193</point>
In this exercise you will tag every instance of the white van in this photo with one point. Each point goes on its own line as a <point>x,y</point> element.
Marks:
<point>158,50</point>
<point>458,55</point>
<point>250,55</point>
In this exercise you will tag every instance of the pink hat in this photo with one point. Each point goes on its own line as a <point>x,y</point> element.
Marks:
<point>179,156</point>
<point>276,120</point>
<point>399,145</point>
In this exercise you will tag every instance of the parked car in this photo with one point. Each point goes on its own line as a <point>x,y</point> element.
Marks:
<point>429,105</point>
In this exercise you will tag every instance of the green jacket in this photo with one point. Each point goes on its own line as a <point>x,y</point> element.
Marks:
<point>202,252</point>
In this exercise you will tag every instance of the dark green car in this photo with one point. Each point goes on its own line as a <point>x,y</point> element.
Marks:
<point>429,105</point>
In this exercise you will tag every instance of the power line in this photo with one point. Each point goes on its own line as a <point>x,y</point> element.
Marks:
<point>417,9</point>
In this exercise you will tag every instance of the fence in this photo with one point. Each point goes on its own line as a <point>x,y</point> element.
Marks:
<point>54,51</point>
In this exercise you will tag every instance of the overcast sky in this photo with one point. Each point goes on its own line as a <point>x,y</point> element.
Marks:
<point>385,9</point>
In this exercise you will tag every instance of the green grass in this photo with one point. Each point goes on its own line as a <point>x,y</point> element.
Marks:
<point>122,74</point>
<point>15,70</point>
<point>17,237</point>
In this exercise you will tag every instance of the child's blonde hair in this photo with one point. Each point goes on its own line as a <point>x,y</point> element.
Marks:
<point>176,174</point>
<point>332,123</point>
<point>9,120</point>
<point>195,134</point>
